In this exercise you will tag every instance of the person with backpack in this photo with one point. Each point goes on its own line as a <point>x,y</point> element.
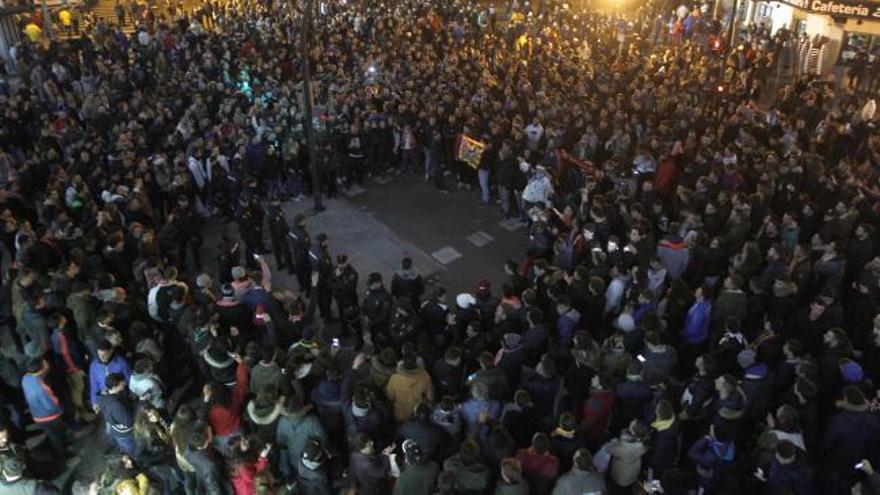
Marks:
<point>714,455</point>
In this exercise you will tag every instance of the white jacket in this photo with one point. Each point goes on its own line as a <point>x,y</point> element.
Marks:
<point>538,189</point>
<point>148,388</point>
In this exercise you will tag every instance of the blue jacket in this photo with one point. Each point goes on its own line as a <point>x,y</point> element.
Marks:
<point>713,459</point>
<point>566,326</point>
<point>696,324</point>
<point>41,400</point>
<point>98,372</point>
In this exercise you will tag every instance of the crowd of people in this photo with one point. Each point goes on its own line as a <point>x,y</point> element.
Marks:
<point>697,311</point>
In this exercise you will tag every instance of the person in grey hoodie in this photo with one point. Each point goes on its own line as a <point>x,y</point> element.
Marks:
<point>582,478</point>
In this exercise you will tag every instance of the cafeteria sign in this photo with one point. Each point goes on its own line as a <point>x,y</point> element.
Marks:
<point>840,8</point>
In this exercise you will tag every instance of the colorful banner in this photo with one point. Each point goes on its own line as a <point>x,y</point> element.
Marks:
<point>470,151</point>
<point>568,160</point>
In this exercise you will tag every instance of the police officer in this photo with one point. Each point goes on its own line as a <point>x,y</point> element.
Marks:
<point>278,231</point>
<point>323,264</point>
<point>188,225</point>
<point>378,305</point>
<point>301,246</point>
<point>345,279</point>
<point>246,217</point>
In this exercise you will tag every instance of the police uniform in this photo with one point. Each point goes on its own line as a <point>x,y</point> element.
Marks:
<point>278,230</point>
<point>345,279</point>
<point>302,243</point>
<point>323,264</point>
<point>248,218</point>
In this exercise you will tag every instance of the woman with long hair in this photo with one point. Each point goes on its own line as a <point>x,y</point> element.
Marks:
<point>181,431</point>
<point>155,448</point>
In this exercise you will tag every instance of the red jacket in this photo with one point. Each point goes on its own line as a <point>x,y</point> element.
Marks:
<point>246,474</point>
<point>597,410</point>
<point>226,420</point>
<point>538,465</point>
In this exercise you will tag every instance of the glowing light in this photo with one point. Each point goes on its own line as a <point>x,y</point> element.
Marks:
<point>371,69</point>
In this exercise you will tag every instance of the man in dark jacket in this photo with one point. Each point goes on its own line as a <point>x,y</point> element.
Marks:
<point>344,285</point>
<point>118,413</point>
<point>201,456</point>
<point>789,472</point>
<point>278,234</point>
<point>434,312</point>
<point>312,471</point>
<point>512,357</point>
<point>407,283</point>
<point>301,246</point>
<point>433,439</point>
<point>377,305</point>
<point>370,470</point>
<point>851,434</point>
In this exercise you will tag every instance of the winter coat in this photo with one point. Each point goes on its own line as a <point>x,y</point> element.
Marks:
<point>98,372</point>
<point>675,256</point>
<point>408,284</point>
<point>245,476</point>
<point>118,414</point>
<point>265,376</point>
<point>626,460</point>
<point>596,412</point>
<point>417,479</point>
<point>696,324</point>
<point>542,390</point>
<point>147,387</point>
<point>430,437</point>
<point>665,446</point>
<point>225,420</point>
<point>370,473</point>
<point>263,419</point>
<point>42,401</point>
<point>758,387</point>
<point>566,326</point>
<point>796,478</point>
<point>67,352</point>
<point>471,479</point>
<point>728,303</point>
<point>210,479</point>
<point>713,460</point>
<point>579,482</point>
<point>294,432</point>
<point>406,389</point>
<point>851,434</point>
<point>539,469</point>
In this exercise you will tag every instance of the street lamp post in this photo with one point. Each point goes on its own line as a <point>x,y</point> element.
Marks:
<point>308,117</point>
<point>47,21</point>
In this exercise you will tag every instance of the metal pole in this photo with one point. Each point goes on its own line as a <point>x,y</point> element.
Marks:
<point>733,30</point>
<point>307,103</point>
<point>47,22</point>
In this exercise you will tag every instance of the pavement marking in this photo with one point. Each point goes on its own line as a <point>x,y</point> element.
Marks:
<point>383,179</point>
<point>510,224</point>
<point>480,238</point>
<point>446,255</point>
<point>354,190</point>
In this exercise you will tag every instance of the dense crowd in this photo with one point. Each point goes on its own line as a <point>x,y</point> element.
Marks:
<point>697,309</point>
